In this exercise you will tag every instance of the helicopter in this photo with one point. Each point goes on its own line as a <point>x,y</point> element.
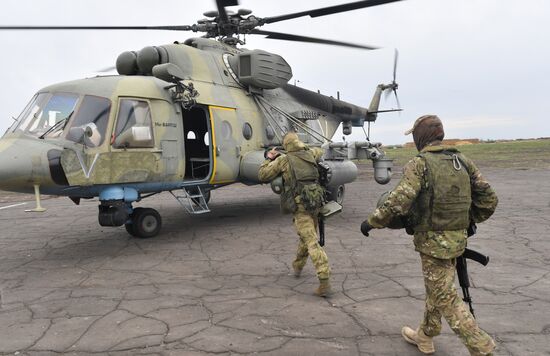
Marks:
<point>186,118</point>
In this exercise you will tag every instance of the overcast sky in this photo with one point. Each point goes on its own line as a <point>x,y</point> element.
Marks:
<point>482,65</point>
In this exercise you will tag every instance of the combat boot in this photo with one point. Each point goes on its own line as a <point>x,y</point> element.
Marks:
<point>417,337</point>
<point>324,289</point>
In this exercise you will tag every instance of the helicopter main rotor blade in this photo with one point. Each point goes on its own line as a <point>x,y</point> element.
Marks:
<point>297,38</point>
<point>226,3</point>
<point>106,69</point>
<point>328,10</point>
<point>221,4</point>
<point>171,28</point>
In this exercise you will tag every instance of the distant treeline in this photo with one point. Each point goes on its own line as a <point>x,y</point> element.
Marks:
<point>468,141</point>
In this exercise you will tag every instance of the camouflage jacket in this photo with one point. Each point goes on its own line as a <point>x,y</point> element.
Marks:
<point>269,170</point>
<point>400,202</point>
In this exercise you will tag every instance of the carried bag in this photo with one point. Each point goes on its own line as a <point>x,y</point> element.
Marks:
<point>313,196</point>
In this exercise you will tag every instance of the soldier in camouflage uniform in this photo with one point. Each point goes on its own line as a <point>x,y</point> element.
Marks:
<point>440,193</point>
<point>305,221</point>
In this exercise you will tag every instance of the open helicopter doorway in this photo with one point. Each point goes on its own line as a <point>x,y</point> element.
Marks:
<point>197,143</point>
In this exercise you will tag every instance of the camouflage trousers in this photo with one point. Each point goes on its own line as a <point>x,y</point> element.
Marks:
<point>442,299</point>
<point>306,226</point>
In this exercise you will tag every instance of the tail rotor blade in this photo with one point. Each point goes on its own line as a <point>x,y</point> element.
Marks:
<point>394,84</point>
<point>397,99</point>
<point>396,56</point>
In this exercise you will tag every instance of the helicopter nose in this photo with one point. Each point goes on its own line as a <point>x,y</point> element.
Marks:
<point>24,163</point>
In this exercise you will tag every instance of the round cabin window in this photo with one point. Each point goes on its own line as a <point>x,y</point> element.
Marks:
<point>247,131</point>
<point>270,133</point>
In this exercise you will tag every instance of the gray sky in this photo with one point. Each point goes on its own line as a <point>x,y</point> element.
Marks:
<point>482,65</point>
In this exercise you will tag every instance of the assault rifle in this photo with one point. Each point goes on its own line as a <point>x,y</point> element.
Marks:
<point>462,268</point>
<point>325,174</point>
<point>321,222</point>
<point>329,209</point>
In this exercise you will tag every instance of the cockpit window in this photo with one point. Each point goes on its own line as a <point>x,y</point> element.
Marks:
<point>81,119</point>
<point>90,121</point>
<point>134,125</point>
<point>45,111</point>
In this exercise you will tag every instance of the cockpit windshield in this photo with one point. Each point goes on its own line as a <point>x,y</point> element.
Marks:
<point>44,111</point>
<point>81,119</point>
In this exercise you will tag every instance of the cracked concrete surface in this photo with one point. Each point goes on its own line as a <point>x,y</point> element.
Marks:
<point>221,283</point>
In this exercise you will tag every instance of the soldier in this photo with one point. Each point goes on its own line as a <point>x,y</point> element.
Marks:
<point>299,165</point>
<point>440,194</point>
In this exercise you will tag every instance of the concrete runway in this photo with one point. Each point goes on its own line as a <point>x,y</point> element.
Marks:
<point>221,283</point>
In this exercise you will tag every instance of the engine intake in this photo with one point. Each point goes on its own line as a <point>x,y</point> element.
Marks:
<point>261,69</point>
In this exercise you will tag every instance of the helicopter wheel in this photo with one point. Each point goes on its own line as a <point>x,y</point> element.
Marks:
<point>146,223</point>
<point>130,229</point>
<point>337,194</point>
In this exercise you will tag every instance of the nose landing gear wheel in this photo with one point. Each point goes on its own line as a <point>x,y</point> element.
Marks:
<point>146,222</point>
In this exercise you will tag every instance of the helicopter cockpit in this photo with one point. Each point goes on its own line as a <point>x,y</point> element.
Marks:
<point>74,117</point>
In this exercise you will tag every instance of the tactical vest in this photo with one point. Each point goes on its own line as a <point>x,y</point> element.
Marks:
<point>303,166</point>
<point>304,182</point>
<point>444,202</point>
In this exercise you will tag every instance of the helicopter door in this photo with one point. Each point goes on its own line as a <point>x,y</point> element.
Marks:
<point>197,143</point>
<point>133,154</point>
<point>225,144</point>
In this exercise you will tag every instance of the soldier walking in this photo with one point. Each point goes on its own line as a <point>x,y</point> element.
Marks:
<point>440,194</point>
<point>299,164</point>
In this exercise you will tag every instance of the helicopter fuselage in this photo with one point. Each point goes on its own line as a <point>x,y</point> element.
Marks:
<point>120,137</point>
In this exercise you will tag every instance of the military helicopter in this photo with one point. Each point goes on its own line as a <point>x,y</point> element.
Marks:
<point>186,118</point>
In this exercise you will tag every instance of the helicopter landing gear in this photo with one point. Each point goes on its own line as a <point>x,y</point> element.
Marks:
<point>145,223</point>
<point>336,193</point>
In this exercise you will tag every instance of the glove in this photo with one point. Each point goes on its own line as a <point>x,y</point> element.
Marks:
<point>365,228</point>
<point>272,154</point>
